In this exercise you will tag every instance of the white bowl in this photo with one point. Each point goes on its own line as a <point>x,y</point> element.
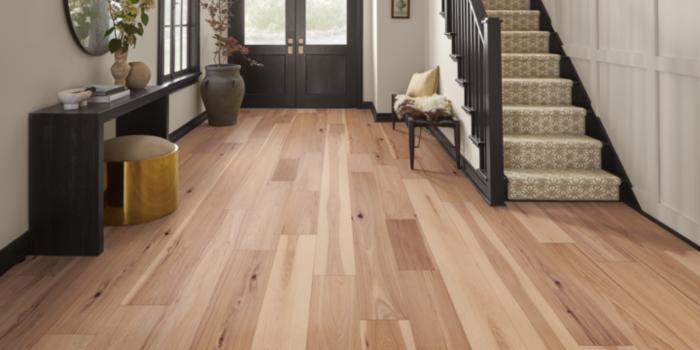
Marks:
<point>72,99</point>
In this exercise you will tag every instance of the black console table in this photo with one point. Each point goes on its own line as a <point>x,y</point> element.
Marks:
<point>66,172</point>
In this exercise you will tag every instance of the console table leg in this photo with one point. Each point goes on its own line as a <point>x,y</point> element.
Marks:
<point>65,185</point>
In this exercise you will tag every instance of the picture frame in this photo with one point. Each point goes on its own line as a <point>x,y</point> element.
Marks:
<point>401,9</point>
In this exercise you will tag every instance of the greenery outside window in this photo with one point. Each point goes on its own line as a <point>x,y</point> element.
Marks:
<point>178,39</point>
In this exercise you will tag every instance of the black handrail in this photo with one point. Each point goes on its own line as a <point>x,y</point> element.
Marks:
<point>476,46</point>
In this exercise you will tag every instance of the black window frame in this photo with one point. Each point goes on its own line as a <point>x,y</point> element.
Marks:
<point>193,45</point>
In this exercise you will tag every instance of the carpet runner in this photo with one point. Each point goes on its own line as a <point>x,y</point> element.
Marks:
<point>546,152</point>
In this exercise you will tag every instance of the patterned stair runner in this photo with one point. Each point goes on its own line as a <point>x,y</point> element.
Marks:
<point>546,152</point>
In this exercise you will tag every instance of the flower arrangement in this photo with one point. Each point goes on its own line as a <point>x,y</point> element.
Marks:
<point>129,17</point>
<point>219,13</point>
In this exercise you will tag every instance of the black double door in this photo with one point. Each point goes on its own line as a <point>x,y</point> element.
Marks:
<point>309,50</point>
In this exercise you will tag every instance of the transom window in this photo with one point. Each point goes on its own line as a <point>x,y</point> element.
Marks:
<point>179,39</point>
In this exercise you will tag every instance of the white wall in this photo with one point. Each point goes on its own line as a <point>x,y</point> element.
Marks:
<point>39,57</point>
<point>640,62</point>
<point>398,50</point>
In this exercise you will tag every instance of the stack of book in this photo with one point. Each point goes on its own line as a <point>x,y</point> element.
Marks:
<point>108,93</point>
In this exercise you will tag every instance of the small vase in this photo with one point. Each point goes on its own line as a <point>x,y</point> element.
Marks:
<point>120,69</point>
<point>139,76</point>
<point>223,89</point>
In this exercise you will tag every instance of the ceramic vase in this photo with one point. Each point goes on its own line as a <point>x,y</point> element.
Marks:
<point>139,76</point>
<point>120,69</point>
<point>223,89</point>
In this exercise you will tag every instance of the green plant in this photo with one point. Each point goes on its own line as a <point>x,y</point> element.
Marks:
<point>219,13</point>
<point>129,18</point>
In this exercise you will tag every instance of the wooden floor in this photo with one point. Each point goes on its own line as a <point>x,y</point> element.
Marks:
<point>306,229</point>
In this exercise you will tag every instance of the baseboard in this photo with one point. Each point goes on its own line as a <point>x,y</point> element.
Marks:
<point>189,126</point>
<point>378,117</point>
<point>14,252</point>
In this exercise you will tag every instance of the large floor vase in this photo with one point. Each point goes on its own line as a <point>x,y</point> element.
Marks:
<point>223,89</point>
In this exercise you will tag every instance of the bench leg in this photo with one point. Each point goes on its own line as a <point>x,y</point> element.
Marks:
<point>411,142</point>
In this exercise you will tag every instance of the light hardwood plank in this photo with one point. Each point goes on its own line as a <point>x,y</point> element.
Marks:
<point>284,316</point>
<point>408,245</point>
<point>483,319</point>
<point>335,243</point>
<point>334,319</point>
<point>386,335</point>
<point>429,309</point>
<point>234,308</point>
<point>539,224</point>
<point>64,342</point>
<point>379,294</point>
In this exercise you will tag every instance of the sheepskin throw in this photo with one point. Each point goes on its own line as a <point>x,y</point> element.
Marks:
<point>430,107</point>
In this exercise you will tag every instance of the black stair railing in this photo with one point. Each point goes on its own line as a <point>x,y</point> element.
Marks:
<point>476,47</point>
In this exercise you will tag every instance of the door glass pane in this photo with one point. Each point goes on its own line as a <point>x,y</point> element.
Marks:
<point>326,22</point>
<point>265,22</point>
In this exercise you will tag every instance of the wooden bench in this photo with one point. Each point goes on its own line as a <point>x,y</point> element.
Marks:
<point>422,122</point>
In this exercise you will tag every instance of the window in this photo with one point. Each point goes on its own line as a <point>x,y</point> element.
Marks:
<point>178,43</point>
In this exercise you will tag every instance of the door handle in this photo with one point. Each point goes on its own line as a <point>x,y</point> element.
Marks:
<point>290,46</point>
<point>300,44</point>
<point>301,49</point>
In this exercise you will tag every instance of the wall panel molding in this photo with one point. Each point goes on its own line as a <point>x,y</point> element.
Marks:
<point>640,62</point>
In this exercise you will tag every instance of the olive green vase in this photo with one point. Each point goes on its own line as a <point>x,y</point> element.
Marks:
<point>223,89</point>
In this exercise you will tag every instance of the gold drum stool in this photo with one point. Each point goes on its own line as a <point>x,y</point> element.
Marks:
<point>141,179</point>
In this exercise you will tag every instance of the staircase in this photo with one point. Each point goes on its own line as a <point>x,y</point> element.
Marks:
<point>546,153</point>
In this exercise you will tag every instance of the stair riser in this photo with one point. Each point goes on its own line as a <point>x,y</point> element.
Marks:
<point>552,157</point>
<point>530,68</point>
<point>507,4</point>
<point>519,21</point>
<point>524,43</point>
<point>536,94</point>
<point>562,191</point>
<point>543,124</point>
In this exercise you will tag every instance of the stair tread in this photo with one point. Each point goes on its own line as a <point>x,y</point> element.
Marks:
<point>548,109</point>
<point>552,140</point>
<point>539,80</point>
<point>526,32</point>
<point>523,12</point>
<point>512,55</point>
<point>562,174</point>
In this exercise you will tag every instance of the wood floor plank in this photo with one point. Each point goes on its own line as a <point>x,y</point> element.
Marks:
<point>261,227</point>
<point>433,318</point>
<point>408,245</point>
<point>528,335</point>
<point>286,170</point>
<point>177,328</point>
<point>335,243</point>
<point>483,319</point>
<point>284,317</point>
<point>689,258</point>
<point>539,311</point>
<point>334,319</point>
<point>243,129</point>
<point>576,303</point>
<point>379,294</point>
<point>655,293</point>
<point>539,224</point>
<point>128,328</point>
<point>386,335</point>
<point>64,342</point>
<point>300,214</point>
<point>233,311</point>
<point>394,198</point>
